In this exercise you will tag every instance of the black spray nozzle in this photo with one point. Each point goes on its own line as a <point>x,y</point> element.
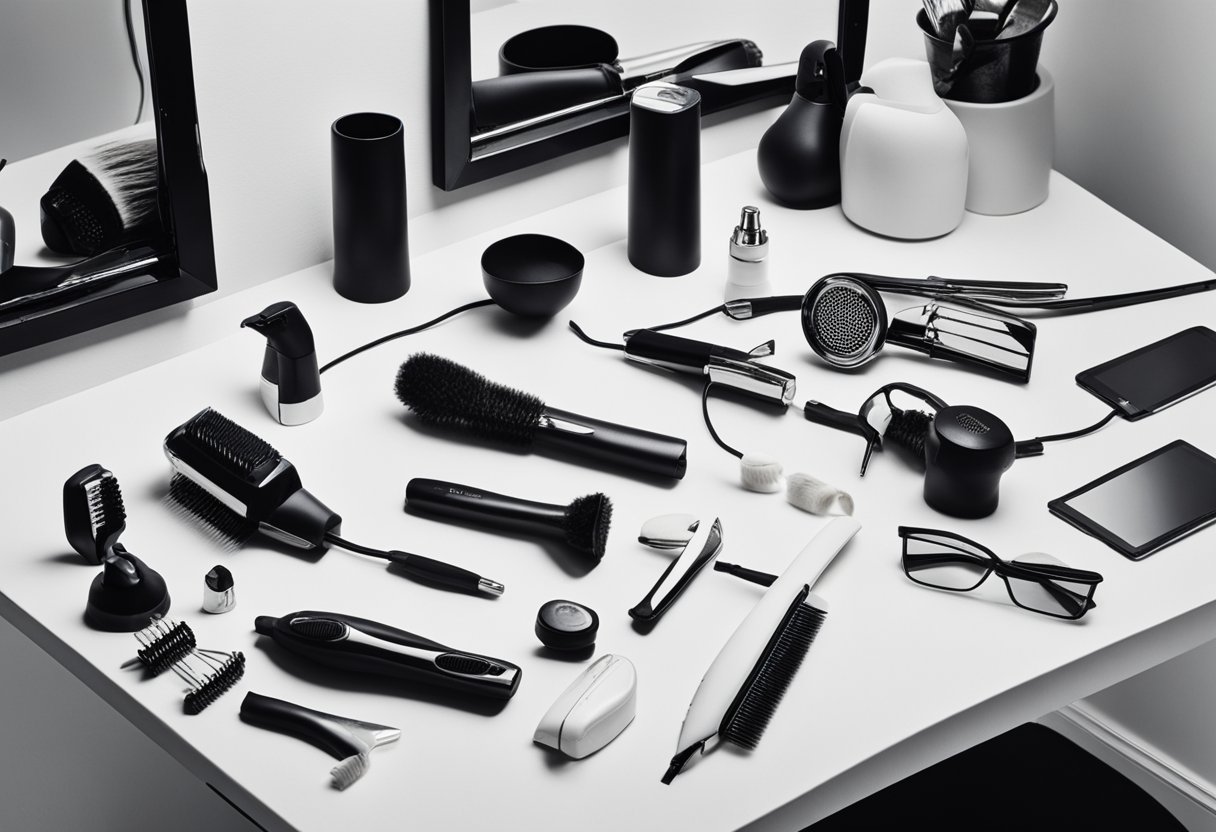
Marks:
<point>285,328</point>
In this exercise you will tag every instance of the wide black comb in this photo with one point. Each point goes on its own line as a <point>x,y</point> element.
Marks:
<point>757,699</point>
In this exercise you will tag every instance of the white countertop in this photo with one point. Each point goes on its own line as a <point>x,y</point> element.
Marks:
<point>899,677</point>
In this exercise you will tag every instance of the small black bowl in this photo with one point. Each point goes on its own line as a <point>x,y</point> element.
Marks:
<point>532,274</point>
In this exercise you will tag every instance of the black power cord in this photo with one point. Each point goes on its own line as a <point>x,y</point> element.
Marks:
<point>129,19</point>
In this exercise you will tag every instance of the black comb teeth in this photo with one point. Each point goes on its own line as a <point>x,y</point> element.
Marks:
<point>449,395</point>
<point>217,684</point>
<point>106,510</point>
<point>757,700</point>
<point>222,524</point>
<point>226,440</point>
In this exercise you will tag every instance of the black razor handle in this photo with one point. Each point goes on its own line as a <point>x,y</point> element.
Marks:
<point>463,502</point>
<point>314,727</point>
<point>822,414</point>
<point>356,645</point>
<point>569,434</point>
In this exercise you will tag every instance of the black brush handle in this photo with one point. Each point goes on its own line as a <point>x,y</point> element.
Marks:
<point>357,645</point>
<point>314,727</point>
<point>464,502</point>
<point>437,572</point>
<point>822,414</point>
<point>569,434</point>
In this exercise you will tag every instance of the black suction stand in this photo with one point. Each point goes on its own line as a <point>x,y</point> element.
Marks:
<point>125,595</point>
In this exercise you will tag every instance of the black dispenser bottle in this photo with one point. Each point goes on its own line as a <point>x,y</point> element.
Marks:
<point>799,155</point>
<point>291,382</point>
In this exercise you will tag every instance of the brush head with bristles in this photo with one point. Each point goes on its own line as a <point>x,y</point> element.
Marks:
<point>217,684</point>
<point>238,449</point>
<point>587,522</point>
<point>757,699</point>
<point>93,512</point>
<point>103,200</point>
<point>350,770</point>
<point>445,394</point>
<point>193,503</point>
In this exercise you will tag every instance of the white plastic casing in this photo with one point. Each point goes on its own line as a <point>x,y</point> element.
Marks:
<point>903,155</point>
<point>597,706</point>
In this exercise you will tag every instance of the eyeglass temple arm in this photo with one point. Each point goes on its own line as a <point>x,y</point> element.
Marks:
<point>1067,598</point>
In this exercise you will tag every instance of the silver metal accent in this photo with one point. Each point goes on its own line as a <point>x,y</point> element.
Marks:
<point>845,323</point>
<point>706,541</point>
<point>668,531</point>
<point>755,379</point>
<point>740,310</point>
<point>651,67</point>
<point>749,242</point>
<point>561,424</point>
<point>662,97</point>
<point>490,587</point>
<point>217,602</point>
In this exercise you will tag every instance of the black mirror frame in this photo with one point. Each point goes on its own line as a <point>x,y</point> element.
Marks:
<point>184,201</point>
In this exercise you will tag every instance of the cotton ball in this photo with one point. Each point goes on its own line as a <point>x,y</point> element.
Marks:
<point>760,473</point>
<point>809,494</point>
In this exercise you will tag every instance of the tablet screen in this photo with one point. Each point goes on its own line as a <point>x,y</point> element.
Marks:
<point>1150,502</point>
<point>1150,378</point>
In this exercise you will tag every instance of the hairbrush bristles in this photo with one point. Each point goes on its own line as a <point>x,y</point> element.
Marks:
<point>757,700</point>
<point>227,441</point>
<point>350,770</point>
<point>216,682</point>
<point>93,512</point>
<point>445,394</point>
<point>588,520</point>
<point>165,644</point>
<point>192,502</point>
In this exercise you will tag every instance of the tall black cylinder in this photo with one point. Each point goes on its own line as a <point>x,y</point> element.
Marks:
<point>371,242</point>
<point>665,179</point>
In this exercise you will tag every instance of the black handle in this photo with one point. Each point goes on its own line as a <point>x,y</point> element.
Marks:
<point>756,307</point>
<point>436,571</point>
<point>821,414</point>
<point>651,453</point>
<point>358,645</point>
<point>512,98</point>
<point>314,727</point>
<point>755,576</point>
<point>675,353</point>
<point>465,502</point>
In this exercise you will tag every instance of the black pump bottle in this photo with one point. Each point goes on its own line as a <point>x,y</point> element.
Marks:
<point>799,155</point>
<point>291,382</point>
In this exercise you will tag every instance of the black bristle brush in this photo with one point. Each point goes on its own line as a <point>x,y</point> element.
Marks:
<point>448,395</point>
<point>93,512</point>
<point>209,674</point>
<point>584,523</point>
<point>103,200</point>
<point>235,484</point>
<point>740,692</point>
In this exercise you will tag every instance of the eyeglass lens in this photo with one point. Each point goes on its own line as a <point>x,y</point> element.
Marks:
<point>945,562</point>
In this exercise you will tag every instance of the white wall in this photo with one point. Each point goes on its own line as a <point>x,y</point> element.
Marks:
<point>60,84</point>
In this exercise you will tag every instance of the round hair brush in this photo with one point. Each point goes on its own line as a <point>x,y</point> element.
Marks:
<point>583,524</point>
<point>449,395</point>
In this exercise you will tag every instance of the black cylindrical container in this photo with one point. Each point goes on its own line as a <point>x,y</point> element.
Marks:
<point>966,452</point>
<point>371,244</point>
<point>665,179</point>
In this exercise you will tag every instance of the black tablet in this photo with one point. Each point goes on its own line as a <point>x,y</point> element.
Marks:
<point>1147,504</point>
<point>1153,377</point>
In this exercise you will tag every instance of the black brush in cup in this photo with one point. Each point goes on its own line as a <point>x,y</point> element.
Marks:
<point>584,523</point>
<point>448,395</point>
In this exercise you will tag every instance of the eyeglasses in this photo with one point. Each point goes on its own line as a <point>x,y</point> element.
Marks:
<point>1036,582</point>
<point>896,411</point>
